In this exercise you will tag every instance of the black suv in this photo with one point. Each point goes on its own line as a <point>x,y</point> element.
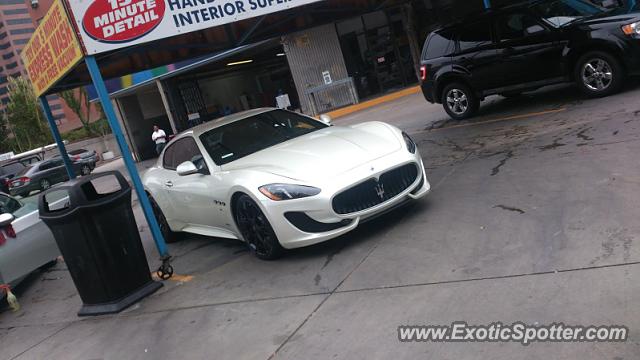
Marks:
<point>528,46</point>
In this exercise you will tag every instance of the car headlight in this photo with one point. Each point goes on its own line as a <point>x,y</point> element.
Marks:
<point>280,192</point>
<point>632,29</point>
<point>411,145</point>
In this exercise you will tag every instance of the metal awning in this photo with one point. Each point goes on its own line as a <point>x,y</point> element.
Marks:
<point>189,65</point>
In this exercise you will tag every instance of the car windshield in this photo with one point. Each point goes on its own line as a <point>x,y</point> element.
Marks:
<point>247,136</point>
<point>562,12</point>
<point>9,205</point>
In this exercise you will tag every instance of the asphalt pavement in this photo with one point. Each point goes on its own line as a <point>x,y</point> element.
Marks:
<point>533,217</point>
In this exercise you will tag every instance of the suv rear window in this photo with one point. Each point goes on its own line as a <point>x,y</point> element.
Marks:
<point>438,45</point>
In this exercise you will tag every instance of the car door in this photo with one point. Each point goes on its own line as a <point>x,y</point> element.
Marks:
<point>191,195</point>
<point>528,49</point>
<point>476,55</point>
<point>44,170</point>
<point>58,171</point>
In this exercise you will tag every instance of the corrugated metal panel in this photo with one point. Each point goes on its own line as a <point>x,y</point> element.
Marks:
<point>310,53</point>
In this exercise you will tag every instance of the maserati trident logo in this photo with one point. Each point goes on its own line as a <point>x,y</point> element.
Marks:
<point>380,191</point>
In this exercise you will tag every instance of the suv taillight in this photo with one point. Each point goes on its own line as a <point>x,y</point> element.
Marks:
<point>423,72</point>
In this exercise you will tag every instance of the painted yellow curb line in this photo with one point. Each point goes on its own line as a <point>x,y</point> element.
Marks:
<point>514,117</point>
<point>373,102</point>
<point>175,277</point>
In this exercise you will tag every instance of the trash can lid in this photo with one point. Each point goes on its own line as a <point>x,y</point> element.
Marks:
<point>89,190</point>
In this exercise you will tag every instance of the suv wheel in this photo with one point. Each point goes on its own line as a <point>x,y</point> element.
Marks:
<point>459,101</point>
<point>598,74</point>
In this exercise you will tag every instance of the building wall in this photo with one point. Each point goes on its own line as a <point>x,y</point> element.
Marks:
<point>310,53</point>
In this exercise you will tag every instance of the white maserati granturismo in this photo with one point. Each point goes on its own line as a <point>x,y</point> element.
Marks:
<point>280,180</point>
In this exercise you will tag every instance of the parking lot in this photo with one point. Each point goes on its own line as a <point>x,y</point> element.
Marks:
<point>532,217</point>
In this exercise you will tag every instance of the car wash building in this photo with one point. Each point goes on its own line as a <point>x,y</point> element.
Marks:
<point>319,55</point>
<point>313,55</point>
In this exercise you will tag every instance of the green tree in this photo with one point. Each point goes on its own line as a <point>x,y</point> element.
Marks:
<point>5,141</point>
<point>24,116</point>
<point>79,102</point>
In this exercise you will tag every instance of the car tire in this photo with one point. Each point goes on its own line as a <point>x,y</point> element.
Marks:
<point>45,184</point>
<point>598,74</point>
<point>169,236</point>
<point>256,229</point>
<point>459,101</point>
<point>85,170</point>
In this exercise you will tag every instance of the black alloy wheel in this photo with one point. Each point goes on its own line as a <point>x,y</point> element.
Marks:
<point>256,229</point>
<point>169,236</point>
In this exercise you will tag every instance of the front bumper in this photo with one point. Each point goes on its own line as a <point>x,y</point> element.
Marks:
<point>631,56</point>
<point>318,210</point>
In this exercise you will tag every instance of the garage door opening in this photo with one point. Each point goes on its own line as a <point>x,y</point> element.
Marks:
<point>204,90</point>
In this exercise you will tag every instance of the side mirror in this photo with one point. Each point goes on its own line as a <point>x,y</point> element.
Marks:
<point>535,29</point>
<point>6,219</point>
<point>326,119</point>
<point>187,168</point>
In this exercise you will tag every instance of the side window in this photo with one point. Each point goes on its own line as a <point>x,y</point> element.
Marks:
<point>182,150</point>
<point>515,26</point>
<point>188,151</point>
<point>474,36</point>
<point>439,45</point>
<point>45,166</point>
<point>167,160</point>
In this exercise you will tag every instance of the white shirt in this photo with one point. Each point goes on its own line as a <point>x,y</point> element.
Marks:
<point>159,136</point>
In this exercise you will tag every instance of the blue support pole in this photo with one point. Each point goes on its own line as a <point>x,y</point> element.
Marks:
<point>632,5</point>
<point>101,89</point>
<point>44,104</point>
<point>487,4</point>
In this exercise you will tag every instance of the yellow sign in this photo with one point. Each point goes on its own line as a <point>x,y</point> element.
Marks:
<point>53,49</point>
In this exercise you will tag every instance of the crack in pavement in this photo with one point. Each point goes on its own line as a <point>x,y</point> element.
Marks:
<point>509,208</point>
<point>496,169</point>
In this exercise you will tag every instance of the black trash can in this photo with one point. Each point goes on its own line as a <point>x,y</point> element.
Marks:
<point>92,221</point>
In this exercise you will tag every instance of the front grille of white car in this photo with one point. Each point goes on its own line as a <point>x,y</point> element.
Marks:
<point>374,192</point>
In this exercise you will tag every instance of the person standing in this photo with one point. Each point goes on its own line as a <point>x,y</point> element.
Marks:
<point>160,138</point>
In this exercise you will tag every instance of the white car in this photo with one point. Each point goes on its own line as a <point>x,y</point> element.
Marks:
<point>280,180</point>
<point>26,244</point>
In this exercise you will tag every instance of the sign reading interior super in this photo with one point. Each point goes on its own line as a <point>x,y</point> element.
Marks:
<point>113,24</point>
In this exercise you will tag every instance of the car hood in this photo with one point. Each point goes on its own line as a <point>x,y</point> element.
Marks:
<point>322,154</point>
<point>611,17</point>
